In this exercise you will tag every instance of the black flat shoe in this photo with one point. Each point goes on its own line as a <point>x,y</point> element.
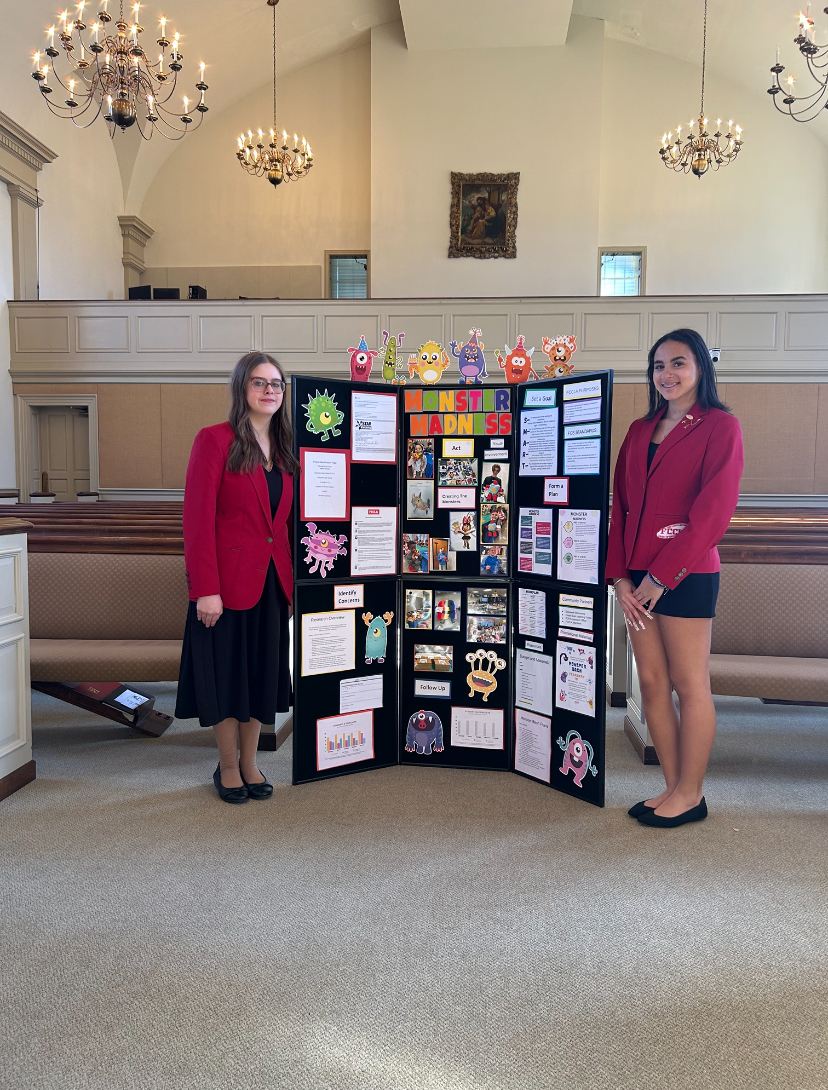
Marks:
<point>229,794</point>
<point>258,790</point>
<point>639,809</point>
<point>695,813</point>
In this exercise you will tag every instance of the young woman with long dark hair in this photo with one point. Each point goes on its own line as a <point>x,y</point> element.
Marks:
<point>238,497</point>
<point>675,490</point>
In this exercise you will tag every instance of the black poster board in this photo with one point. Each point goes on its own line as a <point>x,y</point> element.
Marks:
<point>497,574</point>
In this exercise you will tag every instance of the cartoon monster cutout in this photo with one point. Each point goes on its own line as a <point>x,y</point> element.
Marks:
<point>376,638</point>
<point>559,352</point>
<point>429,363</point>
<point>362,360</point>
<point>578,754</point>
<point>323,549</point>
<point>424,734</point>
<point>391,363</point>
<point>470,359</point>
<point>484,666</point>
<point>518,362</point>
<point>323,415</point>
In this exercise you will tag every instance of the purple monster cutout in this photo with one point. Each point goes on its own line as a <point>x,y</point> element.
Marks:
<point>323,549</point>
<point>470,359</point>
<point>578,754</point>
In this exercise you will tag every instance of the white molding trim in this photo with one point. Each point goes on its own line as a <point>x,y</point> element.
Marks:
<point>27,148</point>
<point>151,495</point>
<point>24,404</point>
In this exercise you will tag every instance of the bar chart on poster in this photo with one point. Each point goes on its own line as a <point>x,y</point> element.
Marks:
<point>449,559</point>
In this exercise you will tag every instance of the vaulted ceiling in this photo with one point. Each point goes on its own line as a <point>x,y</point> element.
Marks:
<point>235,41</point>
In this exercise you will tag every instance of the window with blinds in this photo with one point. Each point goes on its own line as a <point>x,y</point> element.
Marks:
<point>621,272</point>
<point>348,276</point>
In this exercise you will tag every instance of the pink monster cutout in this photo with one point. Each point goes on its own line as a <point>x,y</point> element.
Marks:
<point>362,360</point>
<point>578,754</point>
<point>323,549</point>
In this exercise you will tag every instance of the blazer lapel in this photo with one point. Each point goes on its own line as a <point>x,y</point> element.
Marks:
<point>644,440</point>
<point>286,500</point>
<point>688,423</point>
<point>259,483</point>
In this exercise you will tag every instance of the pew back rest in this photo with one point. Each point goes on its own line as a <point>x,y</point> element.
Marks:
<point>772,609</point>
<point>106,596</point>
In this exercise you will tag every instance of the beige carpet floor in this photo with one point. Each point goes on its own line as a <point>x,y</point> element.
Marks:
<point>411,929</point>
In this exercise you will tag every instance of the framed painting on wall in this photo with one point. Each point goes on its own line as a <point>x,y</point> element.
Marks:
<point>483,217</point>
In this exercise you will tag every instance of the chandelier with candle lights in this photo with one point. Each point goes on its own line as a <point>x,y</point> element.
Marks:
<point>110,73</point>
<point>279,162</point>
<point>701,151</point>
<point>803,107</point>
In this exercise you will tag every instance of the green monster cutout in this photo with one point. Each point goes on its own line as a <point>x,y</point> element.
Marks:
<point>391,363</point>
<point>323,415</point>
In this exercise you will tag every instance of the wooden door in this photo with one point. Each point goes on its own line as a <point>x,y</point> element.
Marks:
<point>64,450</point>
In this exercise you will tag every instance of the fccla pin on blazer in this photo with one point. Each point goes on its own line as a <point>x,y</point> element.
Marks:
<point>675,528</point>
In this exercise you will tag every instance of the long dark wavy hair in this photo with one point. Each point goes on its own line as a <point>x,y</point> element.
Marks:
<point>245,454</point>
<point>707,395</point>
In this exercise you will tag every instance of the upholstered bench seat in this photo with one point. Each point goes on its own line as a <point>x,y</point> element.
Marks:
<point>105,660</point>
<point>770,635</point>
<point>106,616</point>
<point>770,677</point>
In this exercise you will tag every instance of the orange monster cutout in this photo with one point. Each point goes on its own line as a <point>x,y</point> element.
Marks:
<point>559,352</point>
<point>518,362</point>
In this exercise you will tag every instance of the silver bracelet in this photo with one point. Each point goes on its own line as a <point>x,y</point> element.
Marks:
<point>656,582</point>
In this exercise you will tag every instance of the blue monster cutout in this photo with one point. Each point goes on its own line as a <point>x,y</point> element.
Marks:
<point>376,638</point>
<point>424,734</point>
<point>470,359</point>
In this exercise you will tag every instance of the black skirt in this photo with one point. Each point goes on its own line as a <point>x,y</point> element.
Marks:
<point>695,596</point>
<point>239,668</point>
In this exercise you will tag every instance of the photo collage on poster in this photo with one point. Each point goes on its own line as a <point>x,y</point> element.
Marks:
<point>457,469</point>
<point>455,649</point>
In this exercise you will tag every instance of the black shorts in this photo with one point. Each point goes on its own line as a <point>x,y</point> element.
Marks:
<point>695,596</point>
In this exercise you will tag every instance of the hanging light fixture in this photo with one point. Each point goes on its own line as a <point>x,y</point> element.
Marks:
<point>278,162</point>
<point>803,107</point>
<point>699,152</point>
<point>112,74</point>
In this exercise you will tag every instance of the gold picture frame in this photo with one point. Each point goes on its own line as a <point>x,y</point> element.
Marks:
<point>483,215</point>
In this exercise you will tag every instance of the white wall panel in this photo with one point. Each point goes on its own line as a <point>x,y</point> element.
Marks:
<point>342,332</point>
<point>289,334</point>
<point>747,330</point>
<point>102,334</point>
<point>41,333</point>
<point>164,334</point>
<point>226,333</point>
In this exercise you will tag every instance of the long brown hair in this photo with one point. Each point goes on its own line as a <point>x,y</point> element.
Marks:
<point>245,454</point>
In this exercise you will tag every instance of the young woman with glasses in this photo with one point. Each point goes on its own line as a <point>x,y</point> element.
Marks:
<point>235,673</point>
<point>676,488</point>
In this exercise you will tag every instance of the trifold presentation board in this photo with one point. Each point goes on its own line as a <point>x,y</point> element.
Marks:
<point>449,552</point>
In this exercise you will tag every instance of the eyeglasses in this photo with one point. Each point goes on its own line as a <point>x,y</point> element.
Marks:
<point>262,384</point>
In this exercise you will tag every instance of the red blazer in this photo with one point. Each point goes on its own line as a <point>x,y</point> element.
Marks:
<point>229,536</point>
<point>669,520</point>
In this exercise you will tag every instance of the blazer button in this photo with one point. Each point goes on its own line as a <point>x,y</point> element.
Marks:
<point>270,541</point>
